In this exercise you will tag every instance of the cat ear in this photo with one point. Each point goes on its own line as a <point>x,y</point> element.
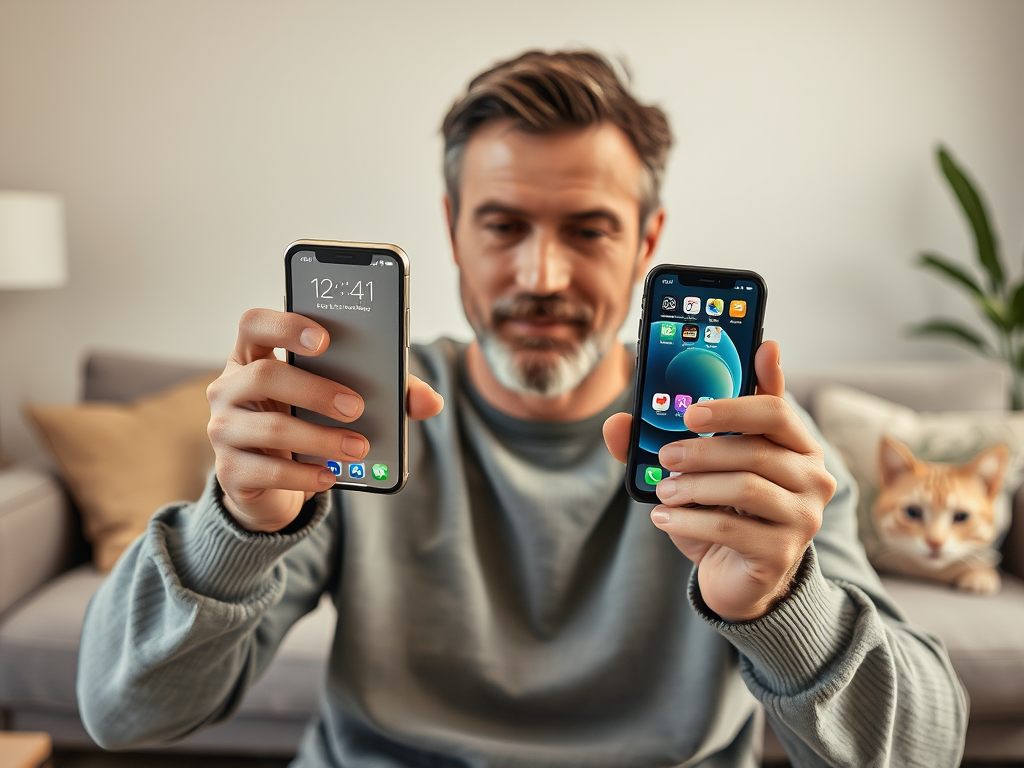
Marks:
<point>990,467</point>
<point>894,459</point>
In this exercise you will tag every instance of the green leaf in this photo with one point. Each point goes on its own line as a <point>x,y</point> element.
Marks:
<point>1017,304</point>
<point>954,330</point>
<point>974,207</point>
<point>953,271</point>
<point>998,312</point>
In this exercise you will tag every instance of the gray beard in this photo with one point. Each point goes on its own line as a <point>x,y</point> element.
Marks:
<point>547,380</point>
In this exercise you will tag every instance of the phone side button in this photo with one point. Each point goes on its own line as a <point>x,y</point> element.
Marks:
<point>284,302</point>
<point>408,325</point>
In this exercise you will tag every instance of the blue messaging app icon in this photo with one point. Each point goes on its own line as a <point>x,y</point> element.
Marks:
<point>356,471</point>
<point>335,468</point>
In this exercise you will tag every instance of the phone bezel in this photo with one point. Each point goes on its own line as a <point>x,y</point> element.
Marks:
<point>643,340</point>
<point>402,259</point>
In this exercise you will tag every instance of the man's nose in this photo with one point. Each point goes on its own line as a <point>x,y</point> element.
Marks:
<point>542,265</point>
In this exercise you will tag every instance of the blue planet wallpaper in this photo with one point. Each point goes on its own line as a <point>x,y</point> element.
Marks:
<point>686,361</point>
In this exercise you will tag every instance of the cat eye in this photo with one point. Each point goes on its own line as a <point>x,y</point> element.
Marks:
<point>914,512</point>
<point>959,517</point>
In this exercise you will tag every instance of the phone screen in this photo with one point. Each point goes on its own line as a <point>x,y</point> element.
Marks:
<point>698,335</point>
<point>359,295</point>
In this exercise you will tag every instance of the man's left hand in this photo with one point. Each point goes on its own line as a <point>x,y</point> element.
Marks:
<point>742,507</point>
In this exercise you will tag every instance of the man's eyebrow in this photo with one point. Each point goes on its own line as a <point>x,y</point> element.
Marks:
<point>597,213</point>
<point>492,207</point>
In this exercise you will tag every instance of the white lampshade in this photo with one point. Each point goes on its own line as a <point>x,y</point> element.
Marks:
<point>33,253</point>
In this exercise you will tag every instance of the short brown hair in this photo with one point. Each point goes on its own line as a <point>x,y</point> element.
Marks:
<point>543,92</point>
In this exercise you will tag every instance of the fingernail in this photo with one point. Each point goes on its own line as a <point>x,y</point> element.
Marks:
<point>672,454</point>
<point>660,518</point>
<point>697,416</point>
<point>437,396</point>
<point>347,405</point>
<point>311,339</point>
<point>326,477</point>
<point>667,487</point>
<point>353,446</point>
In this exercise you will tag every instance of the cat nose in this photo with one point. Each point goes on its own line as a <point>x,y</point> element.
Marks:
<point>935,546</point>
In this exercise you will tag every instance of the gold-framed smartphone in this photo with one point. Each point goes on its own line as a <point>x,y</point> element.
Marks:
<point>359,292</point>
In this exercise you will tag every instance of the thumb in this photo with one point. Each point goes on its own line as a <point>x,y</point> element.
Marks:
<point>616,435</point>
<point>423,401</point>
<point>770,380</point>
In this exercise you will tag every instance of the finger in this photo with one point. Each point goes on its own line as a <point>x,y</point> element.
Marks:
<point>749,494</point>
<point>272,379</point>
<point>745,535</point>
<point>270,430</point>
<point>734,453</point>
<point>423,401</point>
<point>244,473</point>
<point>694,549</point>
<point>616,435</point>
<point>766,415</point>
<point>768,367</point>
<point>261,331</point>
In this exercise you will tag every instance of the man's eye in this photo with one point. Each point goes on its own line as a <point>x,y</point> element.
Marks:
<point>505,227</point>
<point>588,233</point>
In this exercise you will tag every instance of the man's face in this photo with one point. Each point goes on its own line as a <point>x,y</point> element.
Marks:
<point>548,246</point>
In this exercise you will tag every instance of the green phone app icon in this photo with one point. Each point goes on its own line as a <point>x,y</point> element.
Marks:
<point>379,471</point>
<point>668,330</point>
<point>652,475</point>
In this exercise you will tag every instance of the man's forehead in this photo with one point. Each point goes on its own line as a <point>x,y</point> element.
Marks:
<point>593,167</point>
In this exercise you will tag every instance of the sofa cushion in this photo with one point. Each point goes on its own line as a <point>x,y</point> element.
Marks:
<point>121,377</point>
<point>39,653</point>
<point>123,462</point>
<point>984,637</point>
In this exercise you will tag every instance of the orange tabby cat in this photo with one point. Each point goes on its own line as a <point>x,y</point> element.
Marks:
<point>937,521</point>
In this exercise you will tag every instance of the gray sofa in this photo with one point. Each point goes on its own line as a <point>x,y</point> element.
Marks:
<point>46,582</point>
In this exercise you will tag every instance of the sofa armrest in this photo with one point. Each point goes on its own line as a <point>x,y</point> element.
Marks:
<point>36,532</point>
<point>1013,544</point>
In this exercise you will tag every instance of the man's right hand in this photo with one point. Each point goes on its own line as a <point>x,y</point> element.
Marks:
<point>254,435</point>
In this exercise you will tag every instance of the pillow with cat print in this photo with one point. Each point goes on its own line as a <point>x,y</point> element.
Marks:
<point>937,520</point>
<point>855,423</point>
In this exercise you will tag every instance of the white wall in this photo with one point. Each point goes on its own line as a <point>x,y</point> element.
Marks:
<point>194,140</point>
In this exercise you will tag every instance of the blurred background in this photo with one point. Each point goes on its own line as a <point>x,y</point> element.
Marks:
<point>192,141</point>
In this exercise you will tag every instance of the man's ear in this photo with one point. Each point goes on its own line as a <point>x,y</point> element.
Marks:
<point>649,243</point>
<point>448,217</point>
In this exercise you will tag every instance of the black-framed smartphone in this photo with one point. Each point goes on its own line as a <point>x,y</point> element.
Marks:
<point>359,292</point>
<point>699,330</point>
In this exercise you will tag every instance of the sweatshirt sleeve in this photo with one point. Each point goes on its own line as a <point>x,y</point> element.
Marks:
<point>191,615</point>
<point>843,678</point>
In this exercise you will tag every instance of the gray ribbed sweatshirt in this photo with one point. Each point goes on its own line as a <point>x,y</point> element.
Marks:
<point>511,607</point>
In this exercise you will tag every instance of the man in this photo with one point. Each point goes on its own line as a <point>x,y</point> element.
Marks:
<point>511,606</point>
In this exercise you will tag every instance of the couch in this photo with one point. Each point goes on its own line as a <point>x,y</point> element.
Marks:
<point>46,581</point>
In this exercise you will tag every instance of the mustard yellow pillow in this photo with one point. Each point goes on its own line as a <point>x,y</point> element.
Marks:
<point>123,462</point>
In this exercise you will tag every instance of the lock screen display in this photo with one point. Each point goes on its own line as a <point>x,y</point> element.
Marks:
<point>700,340</point>
<point>361,307</point>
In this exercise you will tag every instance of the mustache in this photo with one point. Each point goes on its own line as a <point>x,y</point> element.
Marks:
<point>526,306</point>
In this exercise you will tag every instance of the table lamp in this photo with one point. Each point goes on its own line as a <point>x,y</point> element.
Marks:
<point>33,251</point>
<point>32,244</point>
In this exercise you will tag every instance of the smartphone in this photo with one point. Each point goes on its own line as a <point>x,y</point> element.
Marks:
<point>699,330</point>
<point>359,292</point>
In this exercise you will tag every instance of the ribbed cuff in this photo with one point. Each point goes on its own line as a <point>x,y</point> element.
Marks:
<point>216,558</point>
<point>789,647</point>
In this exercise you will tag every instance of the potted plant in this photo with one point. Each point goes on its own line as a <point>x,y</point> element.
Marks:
<point>999,302</point>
